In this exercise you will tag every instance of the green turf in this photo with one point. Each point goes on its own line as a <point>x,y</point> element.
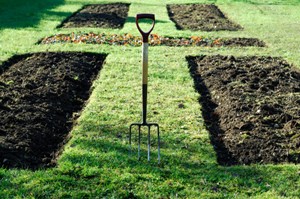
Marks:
<point>95,162</point>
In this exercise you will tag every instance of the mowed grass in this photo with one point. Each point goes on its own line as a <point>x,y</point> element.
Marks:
<point>96,162</point>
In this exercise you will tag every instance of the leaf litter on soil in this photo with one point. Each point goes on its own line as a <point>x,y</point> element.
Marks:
<point>155,40</point>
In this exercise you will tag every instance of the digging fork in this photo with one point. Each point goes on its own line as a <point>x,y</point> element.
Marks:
<point>144,122</point>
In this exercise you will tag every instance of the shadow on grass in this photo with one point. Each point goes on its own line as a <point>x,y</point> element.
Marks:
<point>208,106</point>
<point>177,173</point>
<point>132,20</point>
<point>28,13</point>
<point>98,165</point>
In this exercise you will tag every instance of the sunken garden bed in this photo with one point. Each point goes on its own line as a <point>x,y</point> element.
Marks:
<point>251,106</point>
<point>40,96</point>
<point>98,16</point>
<point>205,17</point>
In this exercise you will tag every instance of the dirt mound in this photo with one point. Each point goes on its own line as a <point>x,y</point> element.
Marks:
<point>39,94</point>
<point>205,17</point>
<point>99,16</point>
<point>251,106</point>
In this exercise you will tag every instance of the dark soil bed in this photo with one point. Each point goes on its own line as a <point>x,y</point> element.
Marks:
<point>155,40</point>
<point>99,16</point>
<point>205,17</point>
<point>39,96</point>
<point>251,106</point>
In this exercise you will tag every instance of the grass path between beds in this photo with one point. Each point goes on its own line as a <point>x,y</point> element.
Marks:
<point>95,162</point>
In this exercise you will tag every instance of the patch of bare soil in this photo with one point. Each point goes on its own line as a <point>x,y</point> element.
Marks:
<point>99,16</point>
<point>251,106</point>
<point>241,42</point>
<point>39,96</point>
<point>205,17</point>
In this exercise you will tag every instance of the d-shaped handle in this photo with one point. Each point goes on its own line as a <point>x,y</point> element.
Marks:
<point>145,35</point>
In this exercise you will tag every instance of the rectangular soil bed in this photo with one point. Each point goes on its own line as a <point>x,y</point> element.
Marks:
<point>251,106</point>
<point>38,95</point>
<point>98,16</point>
<point>155,40</point>
<point>205,17</point>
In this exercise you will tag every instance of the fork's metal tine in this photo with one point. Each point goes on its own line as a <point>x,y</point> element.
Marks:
<point>139,144</point>
<point>140,125</point>
<point>149,143</point>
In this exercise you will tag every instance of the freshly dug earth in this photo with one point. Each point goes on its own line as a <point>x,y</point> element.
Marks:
<point>99,16</point>
<point>155,40</point>
<point>205,17</point>
<point>40,95</point>
<point>251,106</point>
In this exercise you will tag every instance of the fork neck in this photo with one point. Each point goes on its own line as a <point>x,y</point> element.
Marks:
<point>144,81</point>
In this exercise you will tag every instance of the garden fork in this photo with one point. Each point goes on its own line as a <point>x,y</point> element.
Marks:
<point>144,122</point>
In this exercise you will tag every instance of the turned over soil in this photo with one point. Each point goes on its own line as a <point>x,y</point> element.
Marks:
<point>205,17</point>
<point>40,95</point>
<point>99,16</point>
<point>251,106</point>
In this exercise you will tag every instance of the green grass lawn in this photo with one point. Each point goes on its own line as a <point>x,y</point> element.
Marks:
<point>95,162</point>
